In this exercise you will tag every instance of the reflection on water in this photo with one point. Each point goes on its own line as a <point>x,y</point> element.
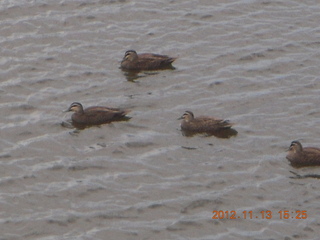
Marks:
<point>132,76</point>
<point>222,133</point>
<point>299,176</point>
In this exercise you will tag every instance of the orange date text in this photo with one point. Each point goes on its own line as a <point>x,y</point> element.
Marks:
<point>267,214</point>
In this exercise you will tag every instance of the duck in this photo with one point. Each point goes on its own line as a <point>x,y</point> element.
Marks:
<point>95,115</point>
<point>203,124</point>
<point>145,61</point>
<point>303,156</point>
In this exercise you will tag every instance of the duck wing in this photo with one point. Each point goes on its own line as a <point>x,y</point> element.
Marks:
<point>214,123</point>
<point>151,61</point>
<point>311,156</point>
<point>208,124</point>
<point>99,115</point>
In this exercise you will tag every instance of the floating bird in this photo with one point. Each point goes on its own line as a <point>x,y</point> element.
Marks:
<point>95,115</point>
<point>300,156</point>
<point>203,124</point>
<point>145,61</point>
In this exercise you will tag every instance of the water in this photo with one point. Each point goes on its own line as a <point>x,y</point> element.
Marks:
<point>255,63</point>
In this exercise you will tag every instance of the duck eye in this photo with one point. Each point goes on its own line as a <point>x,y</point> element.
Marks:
<point>293,145</point>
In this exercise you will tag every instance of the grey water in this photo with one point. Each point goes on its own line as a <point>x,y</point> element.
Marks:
<point>255,63</point>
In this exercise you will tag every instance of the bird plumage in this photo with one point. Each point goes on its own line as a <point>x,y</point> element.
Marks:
<point>203,123</point>
<point>145,61</point>
<point>95,115</point>
<point>303,156</point>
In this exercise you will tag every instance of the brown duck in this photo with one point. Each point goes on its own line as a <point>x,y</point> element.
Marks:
<point>95,115</point>
<point>300,156</point>
<point>203,124</point>
<point>145,61</point>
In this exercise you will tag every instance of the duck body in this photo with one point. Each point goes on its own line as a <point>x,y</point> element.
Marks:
<point>303,156</point>
<point>145,61</point>
<point>203,124</point>
<point>95,115</point>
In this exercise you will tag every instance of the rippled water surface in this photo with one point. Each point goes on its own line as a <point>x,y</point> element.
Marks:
<point>253,62</point>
